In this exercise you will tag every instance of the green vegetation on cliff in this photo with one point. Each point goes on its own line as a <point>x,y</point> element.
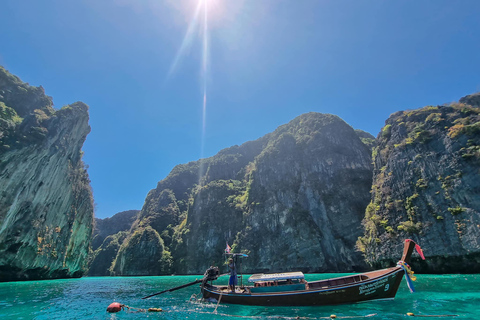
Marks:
<point>425,185</point>
<point>142,253</point>
<point>46,208</point>
<point>121,221</point>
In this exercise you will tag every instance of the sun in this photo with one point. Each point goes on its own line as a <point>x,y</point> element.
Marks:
<point>213,6</point>
<point>204,16</point>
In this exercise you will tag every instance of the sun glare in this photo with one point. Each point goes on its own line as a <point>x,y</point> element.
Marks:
<point>214,7</point>
<point>205,11</point>
<point>199,25</point>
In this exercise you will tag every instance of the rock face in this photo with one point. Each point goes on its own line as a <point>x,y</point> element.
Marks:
<point>366,138</point>
<point>108,235</point>
<point>426,186</point>
<point>471,99</point>
<point>46,205</point>
<point>103,228</point>
<point>293,200</point>
<point>142,254</point>
<point>306,194</point>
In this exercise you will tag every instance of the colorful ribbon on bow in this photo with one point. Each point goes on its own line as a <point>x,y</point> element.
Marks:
<point>409,277</point>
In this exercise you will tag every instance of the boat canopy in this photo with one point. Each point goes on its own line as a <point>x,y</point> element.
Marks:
<point>276,276</point>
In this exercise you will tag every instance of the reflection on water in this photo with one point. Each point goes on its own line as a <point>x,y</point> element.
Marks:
<point>88,298</point>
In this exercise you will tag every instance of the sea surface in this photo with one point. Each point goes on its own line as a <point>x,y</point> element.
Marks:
<point>88,298</point>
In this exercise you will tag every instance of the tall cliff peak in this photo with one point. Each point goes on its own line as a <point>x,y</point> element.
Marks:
<point>46,207</point>
<point>20,96</point>
<point>471,99</point>
<point>292,199</point>
<point>426,187</point>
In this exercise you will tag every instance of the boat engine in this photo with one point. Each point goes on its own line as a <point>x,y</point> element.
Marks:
<point>211,274</point>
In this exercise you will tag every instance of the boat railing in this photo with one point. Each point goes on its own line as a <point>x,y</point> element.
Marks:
<point>337,282</point>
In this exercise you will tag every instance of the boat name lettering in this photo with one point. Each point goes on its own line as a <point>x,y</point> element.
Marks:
<point>331,292</point>
<point>370,288</point>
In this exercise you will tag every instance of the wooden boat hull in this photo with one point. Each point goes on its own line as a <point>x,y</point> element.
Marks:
<point>383,285</point>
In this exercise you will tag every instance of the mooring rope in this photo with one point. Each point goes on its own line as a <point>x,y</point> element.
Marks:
<point>116,307</point>
<point>410,314</point>
<point>289,318</point>
<point>134,309</point>
<point>215,311</point>
<point>119,307</point>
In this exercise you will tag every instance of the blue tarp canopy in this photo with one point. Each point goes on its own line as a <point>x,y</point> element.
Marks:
<point>275,276</point>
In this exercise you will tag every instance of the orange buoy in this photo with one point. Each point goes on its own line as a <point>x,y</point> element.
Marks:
<point>114,307</point>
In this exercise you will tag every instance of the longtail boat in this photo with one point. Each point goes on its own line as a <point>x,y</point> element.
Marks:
<point>291,289</point>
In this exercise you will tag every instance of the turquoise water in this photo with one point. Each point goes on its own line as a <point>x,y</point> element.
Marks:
<point>88,298</point>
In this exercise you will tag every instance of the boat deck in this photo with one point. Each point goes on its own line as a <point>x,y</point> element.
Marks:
<point>323,284</point>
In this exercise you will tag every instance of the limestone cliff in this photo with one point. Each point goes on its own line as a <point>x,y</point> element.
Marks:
<point>299,198</point>
<point>103,228</point>
<point>426,186</point>
<point>108,235</point>
<point>46,205</point>
<point>366,138</point>
<point>101,260</point>
<point>142,254</point>
<point>293,199</point>
<point>306,195</point>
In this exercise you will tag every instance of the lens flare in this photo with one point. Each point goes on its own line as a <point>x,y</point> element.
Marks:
<point>195,28</point>
<point>187,40</point>
<point>201,170</point>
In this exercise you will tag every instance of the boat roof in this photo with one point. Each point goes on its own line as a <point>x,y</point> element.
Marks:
<point>275,276</point>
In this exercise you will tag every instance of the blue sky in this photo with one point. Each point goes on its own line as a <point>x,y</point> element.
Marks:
<point>267,62</point>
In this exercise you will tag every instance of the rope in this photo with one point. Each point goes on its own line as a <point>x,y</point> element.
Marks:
<point>134,309</point>
<point>289,318</point>
<point>410,314</point>
<point>193,297</point>
<point>215,311</point>
<point>333,316</point>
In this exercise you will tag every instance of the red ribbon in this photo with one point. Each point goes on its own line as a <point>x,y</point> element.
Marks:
<point>419,250</point>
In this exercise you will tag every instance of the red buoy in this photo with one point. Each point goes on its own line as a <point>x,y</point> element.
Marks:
<point>114,307</point>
